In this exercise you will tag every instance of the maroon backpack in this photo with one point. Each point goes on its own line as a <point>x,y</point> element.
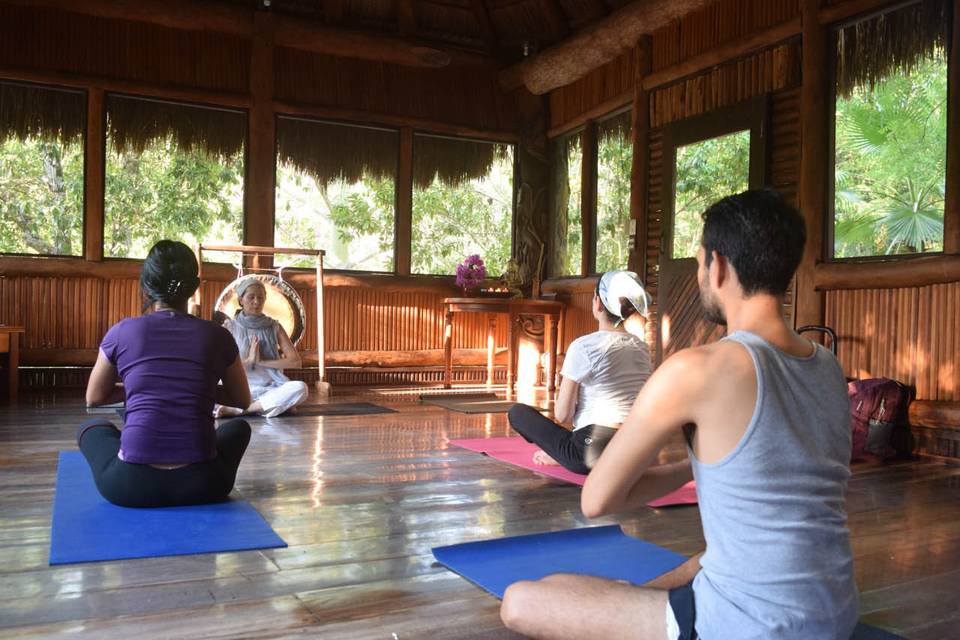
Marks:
<point>878,417</point>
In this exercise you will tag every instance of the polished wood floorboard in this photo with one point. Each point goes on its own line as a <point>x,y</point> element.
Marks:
<point>362,499</point>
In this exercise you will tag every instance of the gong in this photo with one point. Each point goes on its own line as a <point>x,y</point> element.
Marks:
<point>282,303</point>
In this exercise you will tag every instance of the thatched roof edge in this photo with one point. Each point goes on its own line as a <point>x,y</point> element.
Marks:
<point>872,49</point>
<point>48,113</point>
<point>133,123</point>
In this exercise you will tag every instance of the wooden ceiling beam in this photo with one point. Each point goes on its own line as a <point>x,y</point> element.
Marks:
<point>288,32</point>
<point>597,45</point>
<point>406,18</point>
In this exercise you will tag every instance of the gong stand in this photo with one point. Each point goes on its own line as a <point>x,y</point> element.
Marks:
<point>256,252</point>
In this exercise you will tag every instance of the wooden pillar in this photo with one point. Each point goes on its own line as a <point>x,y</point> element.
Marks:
<point>259,197</point>
<point>94,151</point>
<point>951,213</point>
<point>809,304</point>
<point>404,208</point>
<point>640,168</point>
<point>588,199</point>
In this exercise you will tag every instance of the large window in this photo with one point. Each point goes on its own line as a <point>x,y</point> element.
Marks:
<point>705,172</point>
<point>568,226</point>
<point>614,161</point>
<point>172,171</point>
<point>462,204</point>
<point>890,136</point>
<point>336,190</point>
<point>41,170</point>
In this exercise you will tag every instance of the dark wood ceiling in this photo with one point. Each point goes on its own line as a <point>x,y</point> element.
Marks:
<point>500,28</point>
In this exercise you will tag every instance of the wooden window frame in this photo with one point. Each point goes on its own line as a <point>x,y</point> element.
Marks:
<point>85,233</point>
<point>752,115</point>
<point>951,203</point>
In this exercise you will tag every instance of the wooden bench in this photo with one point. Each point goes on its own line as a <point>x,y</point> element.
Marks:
<point>10,345</point>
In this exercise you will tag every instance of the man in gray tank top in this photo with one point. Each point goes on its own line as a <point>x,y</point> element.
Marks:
<point>766,417</point>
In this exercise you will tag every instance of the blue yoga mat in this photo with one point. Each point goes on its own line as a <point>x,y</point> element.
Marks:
<point>87,528</point>
<point>604,552</point>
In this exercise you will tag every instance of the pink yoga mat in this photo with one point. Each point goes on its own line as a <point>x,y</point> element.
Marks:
<point>519,452</point>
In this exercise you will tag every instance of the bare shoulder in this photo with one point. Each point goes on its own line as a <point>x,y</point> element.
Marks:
<point>709,359</point>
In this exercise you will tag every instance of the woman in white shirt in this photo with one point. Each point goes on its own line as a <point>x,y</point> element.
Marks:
<point>602,375</point>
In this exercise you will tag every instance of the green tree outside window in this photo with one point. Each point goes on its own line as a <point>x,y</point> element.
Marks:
<point>890,167</point>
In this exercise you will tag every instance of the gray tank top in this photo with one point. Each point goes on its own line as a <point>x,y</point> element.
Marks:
<point>778,563</point>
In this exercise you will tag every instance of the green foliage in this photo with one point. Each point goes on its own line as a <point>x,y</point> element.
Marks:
<point>41,197</point>
<point>451,222</point>
<point>168,193</point>
<point>352,221</point>
<point>615,157</point>
<point>706,172</point>
<point>891,165</point>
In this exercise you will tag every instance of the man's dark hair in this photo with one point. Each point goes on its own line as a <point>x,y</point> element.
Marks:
<point>760,235</point>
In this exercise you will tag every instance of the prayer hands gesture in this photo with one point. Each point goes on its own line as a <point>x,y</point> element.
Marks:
<point>253,353</point>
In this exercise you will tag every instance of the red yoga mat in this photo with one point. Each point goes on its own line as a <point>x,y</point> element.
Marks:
<point>519,452</point>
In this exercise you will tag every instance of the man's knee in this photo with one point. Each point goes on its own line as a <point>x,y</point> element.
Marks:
<point>518,603</point>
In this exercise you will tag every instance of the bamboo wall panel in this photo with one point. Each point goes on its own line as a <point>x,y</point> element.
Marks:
<point>74,313</point>
<point>49,39</point>
<point>443,95</point>
<point>908,334</point>
<point>715,25</point>
<point>610,81</point>
<point>768,71</point>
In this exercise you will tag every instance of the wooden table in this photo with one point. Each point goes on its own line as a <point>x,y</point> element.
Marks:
<point>10,344</point>
<point>551,310</point>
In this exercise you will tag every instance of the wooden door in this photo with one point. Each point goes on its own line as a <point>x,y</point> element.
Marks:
<point>705,159</point>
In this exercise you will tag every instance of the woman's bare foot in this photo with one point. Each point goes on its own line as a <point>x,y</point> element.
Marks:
<point>223,411</point>
<point>540,457</point>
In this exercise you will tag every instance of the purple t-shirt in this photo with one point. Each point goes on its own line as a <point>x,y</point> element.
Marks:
<point>170,364</point>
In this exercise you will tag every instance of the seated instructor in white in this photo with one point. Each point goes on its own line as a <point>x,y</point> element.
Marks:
<point>602,375</point>
<point>766,418</point>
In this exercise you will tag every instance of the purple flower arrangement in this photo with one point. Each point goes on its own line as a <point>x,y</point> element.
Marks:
<point>471,273</point>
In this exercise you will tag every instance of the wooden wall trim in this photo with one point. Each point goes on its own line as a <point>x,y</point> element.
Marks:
<point>725,53</point>
<point>119,269</point>
<point>570,285</point>
<point>390,120</point>
<point>951,210</point>
<point>857,9</point>
<point>602,109</point>
<point>114,85</point>
<point>94,149</point>
<point>809,303</point>
<point>640,163</point>
<point>887,274</point>
<point>932,413</point>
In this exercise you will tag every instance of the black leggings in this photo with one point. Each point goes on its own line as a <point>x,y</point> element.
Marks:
<point>141,485</point>
<point>576,450</point>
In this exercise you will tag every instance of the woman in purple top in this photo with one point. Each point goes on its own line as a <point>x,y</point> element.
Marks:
<point>169,451</point>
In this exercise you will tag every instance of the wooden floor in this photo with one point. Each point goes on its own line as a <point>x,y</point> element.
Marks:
<point>361,500</point>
